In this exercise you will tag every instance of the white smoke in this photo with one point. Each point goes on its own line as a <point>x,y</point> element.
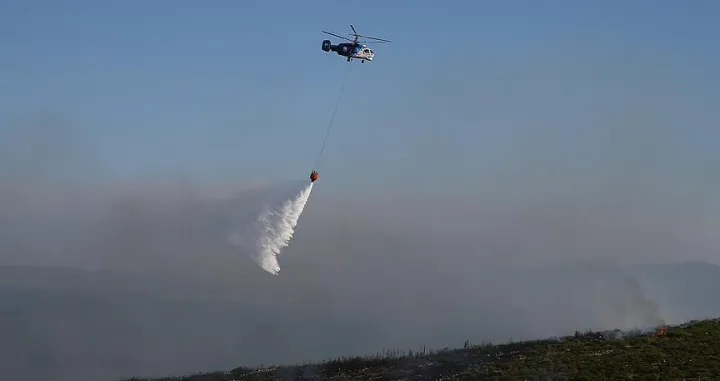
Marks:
<point>266,236</point>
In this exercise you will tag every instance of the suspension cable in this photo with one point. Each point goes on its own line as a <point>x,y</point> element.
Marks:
<point>332,118</point>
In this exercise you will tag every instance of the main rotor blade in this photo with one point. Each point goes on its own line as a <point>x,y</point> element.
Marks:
<point>371,42</point>
<point>333,34</point>
<point>375,38</point>
<point>353,28</point>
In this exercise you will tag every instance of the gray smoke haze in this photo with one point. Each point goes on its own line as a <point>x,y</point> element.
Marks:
<point>537,238</point>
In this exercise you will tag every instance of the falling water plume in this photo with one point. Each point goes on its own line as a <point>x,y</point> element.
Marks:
<point>267,235</point>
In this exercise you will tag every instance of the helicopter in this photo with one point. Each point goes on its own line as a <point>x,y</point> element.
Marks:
<point>352,49</point>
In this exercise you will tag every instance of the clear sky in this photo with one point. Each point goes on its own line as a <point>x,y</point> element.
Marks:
<point>241,89</point>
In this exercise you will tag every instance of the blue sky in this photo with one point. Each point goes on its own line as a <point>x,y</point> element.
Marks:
<point>240,89</point>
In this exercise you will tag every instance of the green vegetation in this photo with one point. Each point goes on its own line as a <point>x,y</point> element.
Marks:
<point>690,351</point>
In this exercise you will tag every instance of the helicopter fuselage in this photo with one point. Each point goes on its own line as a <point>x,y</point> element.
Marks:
<point>349,50</point>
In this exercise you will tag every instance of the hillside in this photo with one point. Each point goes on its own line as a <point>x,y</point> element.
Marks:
<point>687,351</point>
<point>78,325</point>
